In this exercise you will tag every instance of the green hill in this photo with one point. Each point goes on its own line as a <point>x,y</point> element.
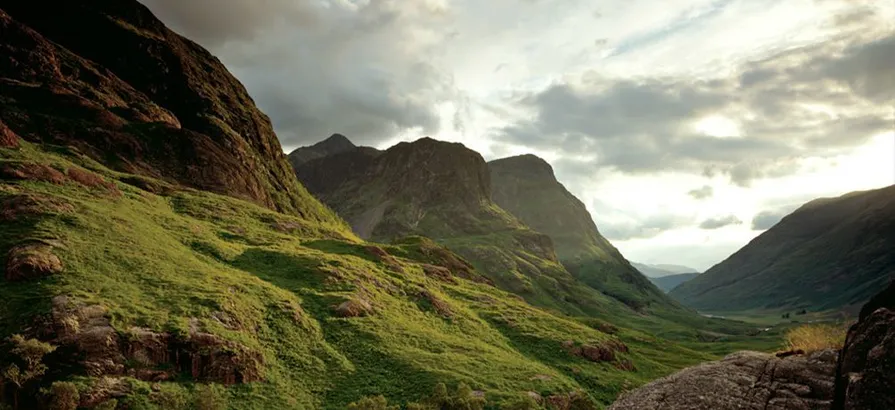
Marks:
<point>157,253</point>
<point>830,254</point>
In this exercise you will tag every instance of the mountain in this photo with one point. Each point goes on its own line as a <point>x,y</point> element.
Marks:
<point>669,282</point>
<point>526,186</point>
<point>443,191</point>
<point>830,254</point>
<point>156,254</point>
<point>335,144</point>
<point>140,99</point>
<point>660,270</point>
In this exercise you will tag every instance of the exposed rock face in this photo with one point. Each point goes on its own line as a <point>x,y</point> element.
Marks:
<point>148,355</point>
<point>866,375</point>
<point>139,98</point>
<point>743,381</point>
<point>831,253</point>
<point>526,186</point>
<point>8,139</point>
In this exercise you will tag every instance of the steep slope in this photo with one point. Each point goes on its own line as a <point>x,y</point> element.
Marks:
<point>142,279</point>
<point>139,98</point>
<point>527,187</point>
<point>669,282</point>
<point>830,254</point>
<point>658,271</point>
<point>443,191</point>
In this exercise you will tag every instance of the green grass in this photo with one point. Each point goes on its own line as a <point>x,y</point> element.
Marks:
<point>161,262</point>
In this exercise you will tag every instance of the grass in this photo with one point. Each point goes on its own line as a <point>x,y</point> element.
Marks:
<point>190,257</point>
<point>812,338</point>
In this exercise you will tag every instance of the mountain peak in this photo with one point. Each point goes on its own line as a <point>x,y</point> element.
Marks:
<point>529,165</point>
<point>336,142</point>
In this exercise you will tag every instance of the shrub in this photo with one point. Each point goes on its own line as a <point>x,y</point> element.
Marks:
<point>372,403</point>
<point>812,338</point>
<point>63,396</point>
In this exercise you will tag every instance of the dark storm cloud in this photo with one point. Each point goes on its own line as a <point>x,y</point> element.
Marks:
<point>782,105</point>
<point>720,222</point>
<point>367,70</point>
<point>702,193</point>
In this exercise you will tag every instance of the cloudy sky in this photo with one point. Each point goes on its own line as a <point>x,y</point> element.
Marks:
<point>687,126</point>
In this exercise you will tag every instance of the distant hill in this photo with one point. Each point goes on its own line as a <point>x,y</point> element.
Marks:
<point>658,271</point>
<point>830,254</point>
<point>527,187</point>
<point>667,283</point>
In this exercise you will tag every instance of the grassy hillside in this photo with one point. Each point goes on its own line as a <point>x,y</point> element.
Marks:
<point>830,254</point>
<point>308,313</point>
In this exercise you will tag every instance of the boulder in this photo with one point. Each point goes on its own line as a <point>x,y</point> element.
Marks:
<point>742,381</point>
<point>865,378</point>
<point>31,261</point>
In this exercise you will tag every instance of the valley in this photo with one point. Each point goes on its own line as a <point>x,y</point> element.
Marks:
<point>161,251</point>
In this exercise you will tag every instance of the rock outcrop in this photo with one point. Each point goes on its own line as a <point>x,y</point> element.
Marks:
<point>139,98</point>
<point>145,354</point>
<point>742,381</point>
<point>865,379</point>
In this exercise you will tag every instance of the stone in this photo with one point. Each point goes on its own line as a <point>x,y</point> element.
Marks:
<point>742,381</point>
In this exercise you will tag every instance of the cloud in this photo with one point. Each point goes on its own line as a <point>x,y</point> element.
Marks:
<point>819,100</point>
<point>369,70</point>
<point>764,220</point>
<point>702,193</point>
<point>648,227</point>
<point>720,222</point>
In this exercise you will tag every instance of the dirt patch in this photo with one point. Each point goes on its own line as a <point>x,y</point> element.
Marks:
<point>440,306</point>
<point>92,180</point>
<point>602,352</point>
<point>439,272</point>
<point>18,207</point>
<point>31,261</point>
<point>8,139</point>
<point>30,171</point>
<point>384,257</point>
<point>355,307</point>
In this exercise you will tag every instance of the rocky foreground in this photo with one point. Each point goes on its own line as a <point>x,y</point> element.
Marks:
<point>860,377</point>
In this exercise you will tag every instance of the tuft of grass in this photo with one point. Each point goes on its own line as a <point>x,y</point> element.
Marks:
<point>812,338</point>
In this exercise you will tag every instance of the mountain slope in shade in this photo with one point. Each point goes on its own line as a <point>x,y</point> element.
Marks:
<point>138,98</point>
<point>669,282</point>
<point>442,191</point>
<point>527,187</point>
<point>832,253</point>
<point>659,270</point>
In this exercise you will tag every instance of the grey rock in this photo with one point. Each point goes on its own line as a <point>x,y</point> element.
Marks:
<point>743,381</point>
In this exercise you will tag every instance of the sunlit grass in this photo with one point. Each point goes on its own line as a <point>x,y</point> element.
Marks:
<point>812,338</point>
